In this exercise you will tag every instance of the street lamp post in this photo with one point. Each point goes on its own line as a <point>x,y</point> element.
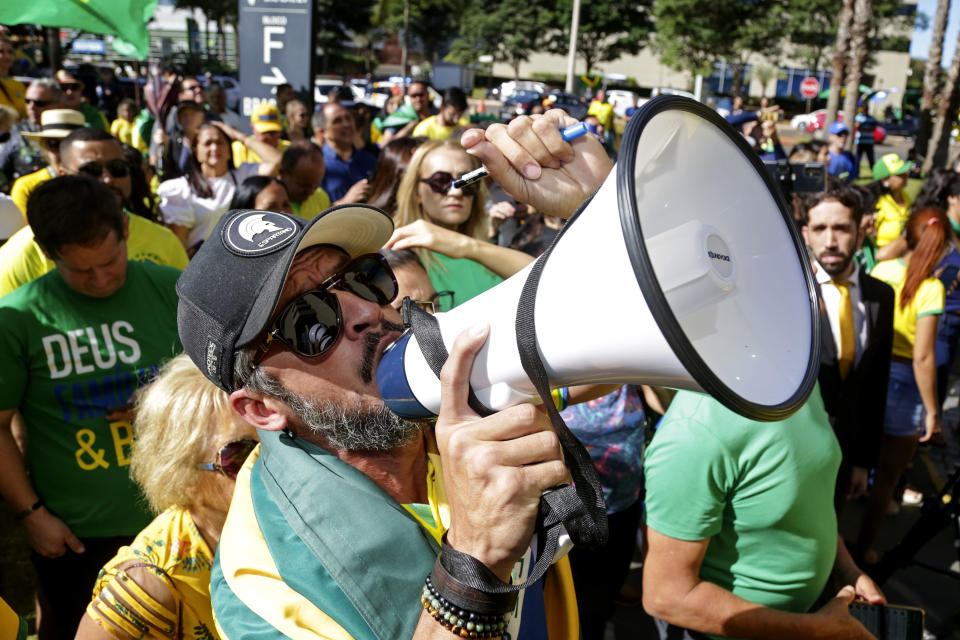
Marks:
<point>572,53</point>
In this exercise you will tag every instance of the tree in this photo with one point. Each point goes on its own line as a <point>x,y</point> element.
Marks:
<point>333,23</point>
<point>946,115</point>
<point>840,52</point>
<point>608,30</point>
<point>810,30</point>
<point>931,76</point>
<point>219,12</point>
<point>765,74</point>
<point>862,21</point>
<point>691,34</point>
<point>509,30</point>
<point>429,21</point>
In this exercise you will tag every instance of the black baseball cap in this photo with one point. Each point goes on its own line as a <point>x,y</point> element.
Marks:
<point>230,289</point>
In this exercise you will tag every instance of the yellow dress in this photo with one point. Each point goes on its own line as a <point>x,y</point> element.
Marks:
<point>173,550</point>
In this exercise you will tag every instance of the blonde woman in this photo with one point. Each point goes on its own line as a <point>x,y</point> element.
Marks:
<point>189,447</point>
<point>447,226</point>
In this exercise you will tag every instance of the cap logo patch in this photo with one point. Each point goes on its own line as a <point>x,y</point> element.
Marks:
<point>257,233</point>
<point>212,359</point>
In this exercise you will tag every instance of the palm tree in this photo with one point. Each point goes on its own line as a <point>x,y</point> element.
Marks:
<point>844,21</point>
<point>946,114</point>
<point>862,20</point>
<point>931,76</point>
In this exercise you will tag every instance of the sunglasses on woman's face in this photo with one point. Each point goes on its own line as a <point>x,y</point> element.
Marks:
<point>117,168</point>
<point>230,457</point>
<point>441,182</point>
<point>312,323</point>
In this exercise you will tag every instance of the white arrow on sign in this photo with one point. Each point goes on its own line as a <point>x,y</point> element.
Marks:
<point>276,79</point>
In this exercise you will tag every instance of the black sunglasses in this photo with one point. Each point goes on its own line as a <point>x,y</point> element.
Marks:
<point>441,182</point>
<point>311,324</point>
<point>441,299</point>
<point>230,457</point>
<point>117,168</point>
<point>39,103</point>
<point>52,144</point>
<point>70,86</point>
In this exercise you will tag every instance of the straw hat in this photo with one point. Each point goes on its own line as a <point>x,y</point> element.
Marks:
<point>57,123</point>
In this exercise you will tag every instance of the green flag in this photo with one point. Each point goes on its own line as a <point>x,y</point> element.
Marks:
<point>125,19</point>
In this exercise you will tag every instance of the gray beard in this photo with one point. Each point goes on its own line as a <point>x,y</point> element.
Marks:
<point>352,427</point>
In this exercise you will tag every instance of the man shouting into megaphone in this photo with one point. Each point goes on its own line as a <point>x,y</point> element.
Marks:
<point>339,515</point>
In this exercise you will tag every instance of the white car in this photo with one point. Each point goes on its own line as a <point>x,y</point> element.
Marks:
<point>621,99</point>
<point>324,85</point>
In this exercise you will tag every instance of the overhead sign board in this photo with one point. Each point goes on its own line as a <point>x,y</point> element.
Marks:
<point>276,46</point>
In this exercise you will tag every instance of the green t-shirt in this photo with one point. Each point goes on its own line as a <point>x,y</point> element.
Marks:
<point>761,491</point>
<point>463,276</point>
<point>70,359</point>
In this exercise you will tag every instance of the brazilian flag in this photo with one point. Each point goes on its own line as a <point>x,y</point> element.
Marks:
<point>125,19</point>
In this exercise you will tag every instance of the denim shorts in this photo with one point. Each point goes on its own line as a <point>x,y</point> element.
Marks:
<point>905,414</point>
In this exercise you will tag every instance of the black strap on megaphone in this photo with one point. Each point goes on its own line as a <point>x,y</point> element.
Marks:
<point>579,509</point>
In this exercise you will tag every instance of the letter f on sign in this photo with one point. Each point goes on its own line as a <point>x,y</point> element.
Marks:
<point>269,43</point>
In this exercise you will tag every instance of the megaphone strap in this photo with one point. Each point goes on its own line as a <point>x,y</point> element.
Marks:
<point>582,509</point>
<point>427,330</point>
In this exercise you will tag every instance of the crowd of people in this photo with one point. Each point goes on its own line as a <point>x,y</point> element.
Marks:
<point>191,434</point>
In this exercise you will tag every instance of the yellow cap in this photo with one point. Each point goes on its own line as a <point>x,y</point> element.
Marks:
<point>266,118</point>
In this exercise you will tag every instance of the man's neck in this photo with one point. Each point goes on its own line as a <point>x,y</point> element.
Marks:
<point>345,151</point>
<point>401,472</point>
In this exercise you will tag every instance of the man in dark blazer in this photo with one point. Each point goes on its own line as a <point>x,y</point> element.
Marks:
<point>857,323</point>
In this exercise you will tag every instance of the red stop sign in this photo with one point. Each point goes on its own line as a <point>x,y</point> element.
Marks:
<point>809,88</point>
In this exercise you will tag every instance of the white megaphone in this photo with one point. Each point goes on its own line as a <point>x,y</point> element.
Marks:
<point>683,271</point>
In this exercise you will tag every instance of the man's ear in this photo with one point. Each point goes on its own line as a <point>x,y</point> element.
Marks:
<point>803,232</point>
<point>259,411</point>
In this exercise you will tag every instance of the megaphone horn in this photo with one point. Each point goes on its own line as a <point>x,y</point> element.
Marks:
<point>685,270</point>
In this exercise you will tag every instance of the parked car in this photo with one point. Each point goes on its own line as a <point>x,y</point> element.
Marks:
<point>906,127</point>
<point>572,104</point>
<point>518,103</point>
<point>322,86</point>
<point>512,88</point>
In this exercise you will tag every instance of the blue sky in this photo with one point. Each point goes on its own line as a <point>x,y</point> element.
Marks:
<point>920,46</point>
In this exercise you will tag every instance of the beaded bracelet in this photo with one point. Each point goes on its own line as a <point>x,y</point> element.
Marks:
<point>466,624</point>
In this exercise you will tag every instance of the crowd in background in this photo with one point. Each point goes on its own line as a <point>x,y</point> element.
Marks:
<point>174,172</point>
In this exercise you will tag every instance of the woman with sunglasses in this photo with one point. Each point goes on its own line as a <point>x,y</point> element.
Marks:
<point>191,205</point>
<point>448,226</point>
<point>190,446</point>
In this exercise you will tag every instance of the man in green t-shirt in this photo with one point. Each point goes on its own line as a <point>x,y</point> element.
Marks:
<point>741,533</point>
<point>74,345</point>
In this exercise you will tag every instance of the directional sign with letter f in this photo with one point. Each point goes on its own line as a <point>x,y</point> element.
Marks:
<point>278,48</point>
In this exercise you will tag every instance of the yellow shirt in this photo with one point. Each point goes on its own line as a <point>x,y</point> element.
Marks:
<point>891,217</point>
<point>604,113</point>
<point>243,154</point>
<point>22,260</point>
<point>122,131</point>
<point>317,203</point>
<point>928,300</point>
<point>172,549</point>
<point>24,186</point>
<point>12,94</point>
<point>435,130</point>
